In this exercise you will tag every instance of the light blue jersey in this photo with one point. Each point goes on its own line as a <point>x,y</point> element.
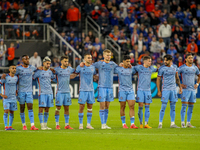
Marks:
<point>86,77</point>
<point>10,87</point>
<point>188,76</point>
<point>168,75</point>
<point>125,78</point>
<point>25,78</point>
<point>44,80</point>
<point>63,79</point>
<point>144,77</point>
<point>106,71</point>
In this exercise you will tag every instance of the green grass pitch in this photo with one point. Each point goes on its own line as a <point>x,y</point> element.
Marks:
<point>116,138</point>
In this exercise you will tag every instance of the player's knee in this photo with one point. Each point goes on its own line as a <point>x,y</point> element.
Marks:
<point>6,111</point>
<point>30,107</point>
<point>131,106</point>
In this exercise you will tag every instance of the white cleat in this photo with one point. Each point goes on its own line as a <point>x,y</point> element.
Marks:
<point>160,126</point>
<point>89,127</point>
<point>81,127</point>
<point>103,126</point>
<point>189,125</point>
<point>174,126</point>
<point>107,127</point>
<point>183,125</point>
<point>43,127</point>
<point>47,128</point>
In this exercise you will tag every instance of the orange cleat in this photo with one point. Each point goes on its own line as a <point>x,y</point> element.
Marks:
<point>141,126</point>
<point>10,128</point>
<point>147,126</point>
<point>6,128</point>
<point>68,127</point>
<point>133,126</point>
<point>57,127</point>
<point>34,128</point>
<point>24,128</point>
<point>125,126</point>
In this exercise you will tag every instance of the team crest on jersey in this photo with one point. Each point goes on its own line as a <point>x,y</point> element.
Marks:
<point>92,70</point>
<point>5,106</point>
<point>42,103</point>
<point>137,98</point>
<point>99,97</point>
<point>80,100</point>
<point>174,69</point>
<point>194,70</point>
<point>121,97</point>
<point>183,98</point>
<point>49,73</point>
<point>110,66</point>
<point>163,98</point>
<point>68,71</point>
<point>57,102</point>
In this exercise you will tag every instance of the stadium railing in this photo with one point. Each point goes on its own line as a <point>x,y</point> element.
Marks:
<point>109,42</point>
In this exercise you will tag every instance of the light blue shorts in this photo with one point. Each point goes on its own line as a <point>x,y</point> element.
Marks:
<point>126,95</point>
<point>169,95</point>
<point>144,97</point>
<point>25,97</point>
<point>188,96</point>
<point>9,105</point>
<point>46,100</point>
<point>86,96</point>
<point>105,94</point>
<point>63,99</point>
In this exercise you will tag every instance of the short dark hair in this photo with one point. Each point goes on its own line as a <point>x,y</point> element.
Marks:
<point>189,54</point>
<point>146,58</point>
<point>86,54</point>
<point>168,57</point>
<point>24,56</point>
<point>126,57</point>
<point>64,57</point>
<point>12,65</point>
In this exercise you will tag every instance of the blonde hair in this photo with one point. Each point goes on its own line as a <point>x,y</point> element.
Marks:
<point>106,51</point>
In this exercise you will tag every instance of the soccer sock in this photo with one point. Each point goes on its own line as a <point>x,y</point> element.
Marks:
<point>31,116</point>
<point>123,118</point>
<point>46,116</point>
<point>22,115</point>
<point>189,112</point>
<point>132,120</point>
<point>11,117</point>
<point>147,114</point>
<point>66,119</point>
<point>106,115</point>
<point>89,117</point>
<point>172,111</point>
<point>183,109</point>
<point>162,111</point>
<point>140,114</point>
<point>5,119</point>
<point>57,119</point>
<point>80,116</point>
<point>40,115</point>
<point>101,114</point>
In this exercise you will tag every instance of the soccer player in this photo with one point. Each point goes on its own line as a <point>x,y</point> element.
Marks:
<point>63,96</point>
<point>86,90</point>
<point>126,92</point>
<point>45,98</point>
<point>144,89</point>
<point>24,73</point>
<point>188,97</point>
<point>169,74</point>
<point>9,96</point>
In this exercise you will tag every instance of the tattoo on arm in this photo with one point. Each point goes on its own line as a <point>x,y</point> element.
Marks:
<point>178,80</point>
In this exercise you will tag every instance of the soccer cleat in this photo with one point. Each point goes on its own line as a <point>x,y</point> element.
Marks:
<point>34,128</point>
<point>103,126</point>
<point>6,128</point>
<point>68,127</point>
<point>189,125</point>
<point>183,125</point>
<point>125,126</point>
<point>160,126</point>
<point>107,127</point>
<point>57,127</point>
<point>141,126</point>
<point>10,128</point>
<point>24,128</point>
<point>43,127</point>
<point>133,126</point>
<point>147,126</point>
<point>81,127</point>
<point>47,128</point>
<point>89,127</point>
<point>174,126</point>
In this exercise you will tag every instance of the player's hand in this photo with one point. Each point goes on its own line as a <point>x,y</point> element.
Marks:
<point>40,68</point>
<point>82,64</point>
<point>4,96</point>
<point>3,76</point>
<point>159,94</point>
<point>72,76</point>
<point>196,86</point>
<point>121,64</point>
<point>52,70</point>
<point>180,90</point>
<point>183,86</point>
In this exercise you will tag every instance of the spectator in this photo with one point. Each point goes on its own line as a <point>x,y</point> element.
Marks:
<point>164,32</point>
<point>114,20</point>
<point>133,25</point>
<point>140,13</point>
<point>174,6</point>
<point>180,15</point>
<point>154,45</point>
<point>122,39</point>
<point>85,50</point>
<point>187,21</point>
<point>89,7</point>
<point>35,60</point>
<point>125,4</point>
<point>198,38</point>
<point>129,19</point>
<point>135,52</point>
<point>96,13</point>
<point>122,14</point>
<point>114,4</point>
<point>9,30</point>
<point>98,3</point>
<point>150,5</point>
<point>13,11</point>
<point>109,6</point>
<point>3,49</point>
<point>165,14</point>
<point>134,37</point>
<point>140,44</point>
<point>171,19</point>
<point>47,14</point>
<point>11,53</point>
<point>40,8</point>
<point>97,44</point>
<point>55,62</point>
<point>72,37</point>
<point>91,36</point>
<point>5,5</point>
<point>142,30</point>
<point>172,51</point>
<point>166,6</point>
<point>192,47</point>
<point>22,11</point>
<point>73,16</point>
<point>132,59</point>
<point>94,53</point>
<point>88,43</point>
<point>177,31</point>
<point>198,12</point>
<point>145,20</point>
<point>34,30</point>
<point>195,22</point>
<point>161,47</point>
<point>154,20</point>
<point>57,13</point>
<point>180,61</point>
<point>103,23</point>
<point>104,9</point>
<point>156,11</point>
<point>115,34</point>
